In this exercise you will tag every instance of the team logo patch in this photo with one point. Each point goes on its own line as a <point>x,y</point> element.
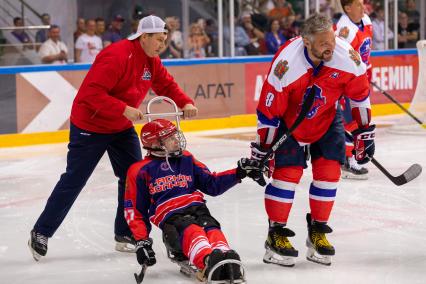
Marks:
<point>319,101</point>
<point>365,49</point>
<point>164,166</point>
<point>334,75</point>
<point>355,56</point>
<point>344,32</point>
<point>146,74</point>
<point>281,68</point>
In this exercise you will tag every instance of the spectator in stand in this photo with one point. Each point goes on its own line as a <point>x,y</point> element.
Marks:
<point>408,34</point>
<point>81,26</point>
<point>368,7</point>
<point>274,37</point>
<point>171,51</point>
<point>256,35</point>
<point>412,12</point>
<point>100,26</point>
<point>379,29</point>
<point>282,9</point>
<point>113,34</point>
<point>21,34</point>
<point>198,40</point>
<point>42,35</point>
<point>176,36</point>
<point>53,50</point>
<point>88,45</point>
<point>241,38</point>
<point>290,27</point>
<point>211,31</point>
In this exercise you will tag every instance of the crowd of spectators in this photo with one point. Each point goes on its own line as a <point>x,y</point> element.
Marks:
<point>261,27</point>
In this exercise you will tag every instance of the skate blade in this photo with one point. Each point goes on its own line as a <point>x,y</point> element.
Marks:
<point>36,255</point>
<point>125,247</point>
<point>271,257</point>
<point>348,175</point>
<point>313,256</point>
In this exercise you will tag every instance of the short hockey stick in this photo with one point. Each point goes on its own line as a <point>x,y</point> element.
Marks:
<point>411,173</point>
<point>139,277</point>
<point>386,94</point>
<point>306,107</point>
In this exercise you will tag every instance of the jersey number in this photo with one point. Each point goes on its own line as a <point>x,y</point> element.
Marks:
<point>269,99</point>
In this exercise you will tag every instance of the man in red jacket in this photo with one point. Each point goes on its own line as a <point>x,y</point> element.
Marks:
<point>102,119</point>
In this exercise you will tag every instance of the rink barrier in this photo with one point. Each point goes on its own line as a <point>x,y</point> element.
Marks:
<point>223,89</point>
<point>61,136</point>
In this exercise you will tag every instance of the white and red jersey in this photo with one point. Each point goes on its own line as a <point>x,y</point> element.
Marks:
<point>292,75</point>
<point>359,36</point>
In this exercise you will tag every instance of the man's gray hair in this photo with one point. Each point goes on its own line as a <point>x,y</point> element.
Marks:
<point>315,24</point>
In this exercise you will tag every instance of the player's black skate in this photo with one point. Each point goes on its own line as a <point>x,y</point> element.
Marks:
<point>232,271</point>
<point>125,243</point>
<point>352,170</point>
<point>218,273</point>
<point>38,245</point>
<point>279,250</point>
<point>319,249</point>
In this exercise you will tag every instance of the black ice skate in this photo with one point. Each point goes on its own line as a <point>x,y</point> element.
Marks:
<point>278,248</point>
<point>38,245</point>
<point>212,271</point>
<point>233,271</point>
<point>125,243</point>
<point>319,249</point>
<point>352,170</point>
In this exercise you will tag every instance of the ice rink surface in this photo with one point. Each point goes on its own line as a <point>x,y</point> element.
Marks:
<point>379,228</point>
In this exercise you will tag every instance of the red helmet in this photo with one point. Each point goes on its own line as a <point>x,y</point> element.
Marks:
<point>154,131</point>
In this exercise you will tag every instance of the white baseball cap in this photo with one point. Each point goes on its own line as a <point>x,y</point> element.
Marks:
<point>149,25</point>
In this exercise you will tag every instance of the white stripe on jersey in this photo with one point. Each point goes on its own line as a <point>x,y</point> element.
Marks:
<point>344,21</point>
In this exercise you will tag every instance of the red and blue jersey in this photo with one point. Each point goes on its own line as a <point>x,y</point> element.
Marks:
<point>359,36</point>
<point>154,192</point>
<point>290,79</point>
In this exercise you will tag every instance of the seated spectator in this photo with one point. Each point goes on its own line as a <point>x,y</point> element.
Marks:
<point>408,34</point>
<point>379,29</point>
<point>88,45</point>
<point>171,50</point>
<point>274,37</point>
<point>282,9</point>
<point>42,35</point>
<point>113,34</point>
<point>241,38</point>
<point>212,33</point>
<point>198,41</point>
<point>290,27</point>
<point>21,35</point>
<point>100,27</point>
<point>255,34</point>
<point>53,50</point>
<point>81,26</point>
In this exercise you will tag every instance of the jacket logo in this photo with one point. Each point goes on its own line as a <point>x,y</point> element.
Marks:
<point>281,68</point>
<point>355,56</point>
<point>334,75</point>
<point>146,74</point>
<point>344,32</point>
<point>319,101</point>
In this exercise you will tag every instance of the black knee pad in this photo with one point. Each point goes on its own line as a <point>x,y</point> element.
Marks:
<point>171,238</point>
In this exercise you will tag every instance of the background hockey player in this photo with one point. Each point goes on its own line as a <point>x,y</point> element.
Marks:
<point>322,61</point>
<point>355,27</point>
<point>166,189</point>
<point>101,121</point>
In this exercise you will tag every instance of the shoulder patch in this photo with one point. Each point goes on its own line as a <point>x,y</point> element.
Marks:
<point>281,68</point>
<point>355,56</point>
<point>344,32</point>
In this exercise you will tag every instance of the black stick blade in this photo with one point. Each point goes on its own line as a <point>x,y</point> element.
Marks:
<point>410,174</point>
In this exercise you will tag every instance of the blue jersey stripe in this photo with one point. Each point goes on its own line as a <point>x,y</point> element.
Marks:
<point>275,122</point>
<point>322,192</point>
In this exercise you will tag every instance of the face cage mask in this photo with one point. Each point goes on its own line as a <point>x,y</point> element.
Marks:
<point>162,151</point>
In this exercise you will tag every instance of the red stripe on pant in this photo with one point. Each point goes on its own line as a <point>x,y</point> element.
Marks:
<point>217,239</point>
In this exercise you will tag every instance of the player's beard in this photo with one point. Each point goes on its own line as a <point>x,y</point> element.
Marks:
<point>326,55</point>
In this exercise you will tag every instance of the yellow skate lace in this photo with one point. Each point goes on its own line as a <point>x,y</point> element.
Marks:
<point>319,240</point>
<point>282,242</point>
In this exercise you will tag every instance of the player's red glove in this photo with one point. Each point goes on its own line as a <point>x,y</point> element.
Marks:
<point>364,144</point>
<point>258,153</point>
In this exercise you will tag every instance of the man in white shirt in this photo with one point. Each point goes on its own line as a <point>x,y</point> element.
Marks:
<point>88,45</point>
<point>53,50</point>
<point>379,30</point>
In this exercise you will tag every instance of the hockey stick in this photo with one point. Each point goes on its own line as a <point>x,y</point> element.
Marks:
<point>139,277</point>
<point>386,94</point>
<point>411,173</point>
<point>306,107</point>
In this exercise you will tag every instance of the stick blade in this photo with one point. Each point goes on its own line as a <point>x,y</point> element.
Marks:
<point>411,173</point>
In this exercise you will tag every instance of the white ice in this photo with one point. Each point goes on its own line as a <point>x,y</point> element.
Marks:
<point>379,228</point>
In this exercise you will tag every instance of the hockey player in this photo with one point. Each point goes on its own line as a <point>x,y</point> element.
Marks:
<point>355,27</point>
<point>166,189</point>
<point>320,60</point>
